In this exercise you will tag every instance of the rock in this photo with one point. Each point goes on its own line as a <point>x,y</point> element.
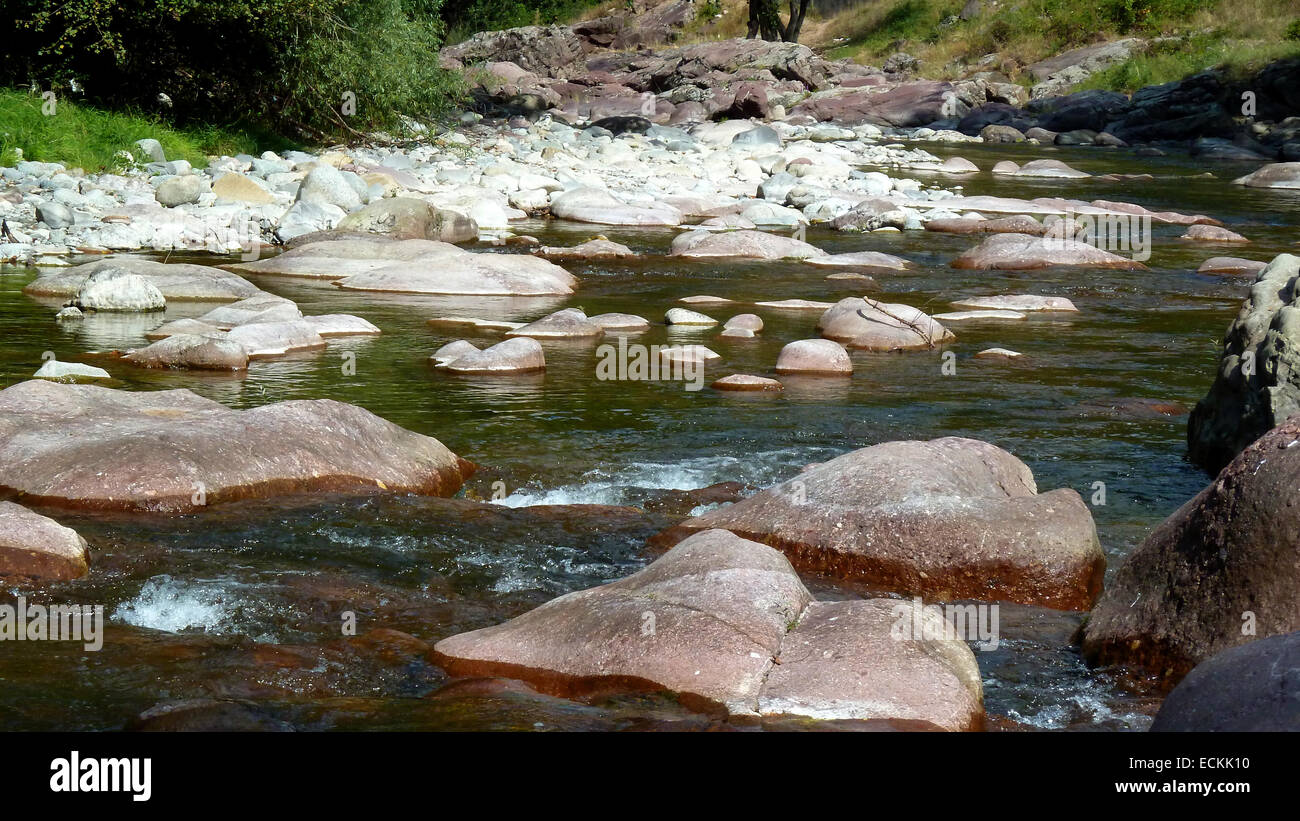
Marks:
<point>570,323</point>
<point>1212,233</point>
<point>814,356</point>
<point>70,312</point>
<point>1023,252</point>
<point>181,190</point>
<point>623,124</point>
<point>795,305</point>
<point>328,325</point>
<point>474,323</point>
<point>736,333</point>
<point>681,316</point>
<point>452,351</point>
<point>177,282</point>
<point>599,248</point>
<point>687,354</point>
<point>620,323</point>
<point>33,546</point>
<point>303,218</point>
<point>844,660</point>
<point>1231,265</point>
<point>172,451</point>
<point>881,326</point>
<point>907,105</point>
<point>709,620</point>
<point>863,260</point>
<point>998,353</point>
<point>1224,562</point>
<point>69,371</point>
<point>1257,385</point>
<point>151,149</point>
<point>260,308</point>
<point>1016,302</point>
<point>963,316</point>
<point>871,215</point>
<point>757,137</point>
<point>191,351</point>
<point>1018,224</point>
<point>234,187</point>
<point>742,245</point>
<point>1274,175</point>
<point>263,339</point>
<point>518,355</point>
<point>1077,137</point>
<point>598,206</point>
<point>537,49</point>
<point>949,518</point>
<point>748,322</point>
<point>417,266</point>
<point>409,218</point>
<point>746,382</point>
<point>326,185</point>
<point>54,215</point>
<point>1069,68</point>
<point>704,299</point>
<point>1248,689</point>
<point>1001,134</point>
<point>114,289</point>
<point>1051,169</point>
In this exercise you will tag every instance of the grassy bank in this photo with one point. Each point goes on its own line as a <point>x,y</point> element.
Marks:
<point>78,135</point>
<point>1189,35</point>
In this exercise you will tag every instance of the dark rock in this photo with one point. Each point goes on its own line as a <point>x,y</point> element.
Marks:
<point>1248,689</point>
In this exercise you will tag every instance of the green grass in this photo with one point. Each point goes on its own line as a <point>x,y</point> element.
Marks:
<point>80,136</point>
<point>1174,62</point>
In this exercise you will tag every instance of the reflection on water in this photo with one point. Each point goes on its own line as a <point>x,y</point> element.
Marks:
<point>245,602</point>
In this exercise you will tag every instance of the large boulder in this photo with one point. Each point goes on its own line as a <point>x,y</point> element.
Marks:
<point>881,326</point>
<point>1023,252</point>
<point>596,205</point>
<point>949,519</point>
<point>1223,569</point>
<point>1253,688</point>
<point>1273,175</point>
<point>1257,385</point>
<point>544,50</point>
<point>906,105</point>
<point>88,447</point>
<point>726,624</point>
<point>409,218</point>
<point>417,266</point>
<point>742,245</point>
<point>114,289</point>
<point>33,546</point>
<point>177,282</point>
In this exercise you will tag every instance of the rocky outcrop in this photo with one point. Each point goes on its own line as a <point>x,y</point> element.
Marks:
<point>33,546</point>
<point>1219,572</point>
<point>1257,386</point>
<point>949,519</point>
<point>166,451</point>
<point>1254,688</point>
<point>727,625</point>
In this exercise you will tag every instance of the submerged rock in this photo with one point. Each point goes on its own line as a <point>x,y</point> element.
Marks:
<point>949,519</point>
<point>33,546</point>
<point>167,451</point>
<point>865,260</point>
<point>1220,571</point>
<point>1016,302</point>
<point>746,382</point>
<point>1212,233</point>
<point>599,248</point>
<point>1274,175</point>
<point>69,371</point>
<point>569,323</point>
<point>1231,265</point>
<point>726,624</point>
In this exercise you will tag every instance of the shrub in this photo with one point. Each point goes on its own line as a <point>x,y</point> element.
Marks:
<point>285,63</point>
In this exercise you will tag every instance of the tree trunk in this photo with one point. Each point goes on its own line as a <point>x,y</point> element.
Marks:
<point>765,20</point>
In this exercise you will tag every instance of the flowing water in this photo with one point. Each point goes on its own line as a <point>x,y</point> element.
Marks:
<point>244,602</point>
